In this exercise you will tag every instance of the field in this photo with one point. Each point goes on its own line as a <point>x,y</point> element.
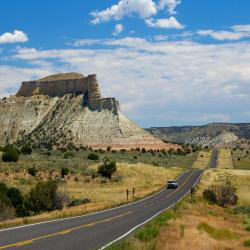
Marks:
<point>76,160</point>
<point>225,159</point>
<point>239,179</point>
<point>241,159</point>
<point>82,183</point>
<point>202,160</point>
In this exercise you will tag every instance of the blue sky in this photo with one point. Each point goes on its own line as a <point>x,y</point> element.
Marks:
<point>168,62</point>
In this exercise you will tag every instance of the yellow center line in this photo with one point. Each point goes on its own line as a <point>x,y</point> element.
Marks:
<point>21,243</point>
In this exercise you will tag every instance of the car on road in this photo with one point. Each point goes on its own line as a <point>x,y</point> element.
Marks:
<point>172,184</point>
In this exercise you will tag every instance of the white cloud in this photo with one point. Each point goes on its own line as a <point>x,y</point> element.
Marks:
<point>144,8</point>
<point>118,29</point>
<point>237,32</point>
<point>166,23</point>
<point>153,80</point>
<point>16,37</point>
<point>161,37</point>
<point>170,5</point>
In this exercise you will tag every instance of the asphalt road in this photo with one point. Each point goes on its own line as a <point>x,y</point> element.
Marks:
<point>213,160</point>
<point>94,231</point>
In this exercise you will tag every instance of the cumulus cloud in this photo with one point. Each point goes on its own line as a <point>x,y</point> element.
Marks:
<point>143,8</point>
<point>166,23</point>
<point>118,29</point>
<point>237,32</point>
<point>158,83</point>
<point>170,5</point>
<point>16,37</point>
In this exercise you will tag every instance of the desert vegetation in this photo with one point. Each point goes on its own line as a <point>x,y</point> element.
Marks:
<point>85,179</point>
<point>241,158</point>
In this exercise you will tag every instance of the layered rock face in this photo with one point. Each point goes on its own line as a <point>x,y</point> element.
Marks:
<point>68,109</point>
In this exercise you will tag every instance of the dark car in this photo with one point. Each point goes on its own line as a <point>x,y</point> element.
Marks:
<point>172,185</point>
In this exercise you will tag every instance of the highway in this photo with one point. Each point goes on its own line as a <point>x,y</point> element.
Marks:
<point>213,160</point>
<point>95,231</point>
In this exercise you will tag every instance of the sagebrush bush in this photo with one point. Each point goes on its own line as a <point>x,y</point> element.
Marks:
<point>33,171</point>
<point>64,171</point>
<point>107,168</point>
<point>10,154</point>
<point>93,157</point>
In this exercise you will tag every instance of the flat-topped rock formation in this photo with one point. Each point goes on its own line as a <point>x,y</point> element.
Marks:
<point>66,109</point>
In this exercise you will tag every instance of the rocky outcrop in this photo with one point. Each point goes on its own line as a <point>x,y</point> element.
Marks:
<point>65,109</point>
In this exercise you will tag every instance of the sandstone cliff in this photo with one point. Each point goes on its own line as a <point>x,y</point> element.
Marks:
<point>68,115</point>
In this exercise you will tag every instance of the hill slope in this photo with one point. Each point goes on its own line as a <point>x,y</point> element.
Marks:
<point>231,134</point>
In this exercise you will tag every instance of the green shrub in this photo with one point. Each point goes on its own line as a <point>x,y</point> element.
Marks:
<point>147,233</point>
<point>26,150</point>
<point>107,168</point>
<point>209,195</point>
<point>68,154</point>
<point>93,157</point>
<point>15,196</point>
<point>64,171</point>
<point>242,209</point>
<point>78,202</point>
<point>163,218</point>
<point>10,154</point>
<point>248,228</point>
<point>43,196</point>
<point>33,171</point>
<point>3,188</point>
<point>6,208</point>
<point>247,243</point>
<point>121,245</point>
<point>218,234</point>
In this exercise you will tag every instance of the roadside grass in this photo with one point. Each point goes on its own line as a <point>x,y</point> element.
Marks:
<point>202,160</point>
<point>241,159</point>
<point>247,243</point>
<point>190,225</point>
<point>215,230</point>
<point>225,159</point>
<point>239,179</point>
<point>218,233</point>
<point>145,237</point>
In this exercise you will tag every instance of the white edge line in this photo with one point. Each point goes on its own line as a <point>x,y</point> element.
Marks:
<point>94,213</point>
<point>134,228</point>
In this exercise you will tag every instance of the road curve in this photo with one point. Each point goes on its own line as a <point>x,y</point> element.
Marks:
<point>96,230</point>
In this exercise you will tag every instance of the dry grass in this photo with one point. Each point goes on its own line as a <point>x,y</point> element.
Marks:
<point>225,159</point>
<point>202,160</point>
<point>144,178</point>
<point>103,193</point>
<point>207,227</point>
<point>239,179</point>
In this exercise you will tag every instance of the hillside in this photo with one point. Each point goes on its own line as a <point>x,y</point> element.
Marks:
<point>214,134</point>
<point>67,109</point>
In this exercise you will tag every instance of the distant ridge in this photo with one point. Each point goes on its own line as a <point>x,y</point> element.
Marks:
<point>213,134</point>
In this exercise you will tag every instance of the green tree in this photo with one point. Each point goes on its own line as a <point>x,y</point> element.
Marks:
<point>107,168</point>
